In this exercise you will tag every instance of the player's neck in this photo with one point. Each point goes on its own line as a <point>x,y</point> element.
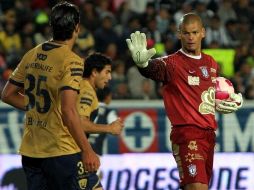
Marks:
<point>91,82</point>
<point>194,56</point>
<point>191,53</point>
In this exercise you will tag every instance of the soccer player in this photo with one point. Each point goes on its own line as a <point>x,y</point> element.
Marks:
<point>97,73</point>
<point>55,152</point>
<point>188,78</point>
<point>106,115</point>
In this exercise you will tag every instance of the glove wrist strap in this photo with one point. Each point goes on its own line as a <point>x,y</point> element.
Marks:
<point>143,65</point>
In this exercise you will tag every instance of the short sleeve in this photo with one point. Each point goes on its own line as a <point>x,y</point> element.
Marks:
<point>85,106</point>
<point>72,74</point>
<point>18,75</point>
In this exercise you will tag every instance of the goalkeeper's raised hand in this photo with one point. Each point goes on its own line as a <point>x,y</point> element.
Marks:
<point>138,48</point>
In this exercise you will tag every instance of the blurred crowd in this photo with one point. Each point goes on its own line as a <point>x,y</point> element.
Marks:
<point>105,24</point>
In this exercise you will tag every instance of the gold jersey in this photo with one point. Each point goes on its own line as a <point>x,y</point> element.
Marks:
<point>87,104</point>
<point>44,71</point>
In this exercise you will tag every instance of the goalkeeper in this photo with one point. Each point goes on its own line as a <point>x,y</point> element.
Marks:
<point>188,78</point>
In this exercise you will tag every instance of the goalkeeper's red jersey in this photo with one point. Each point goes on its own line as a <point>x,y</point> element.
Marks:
<point>188,87</point>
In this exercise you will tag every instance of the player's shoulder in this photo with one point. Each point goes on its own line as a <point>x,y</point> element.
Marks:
<point>86,88</point>
<point>32,51</point>
<point>210,60</point>
<point>208,57</point>
<point>171,57</point>
<point>73,58</point>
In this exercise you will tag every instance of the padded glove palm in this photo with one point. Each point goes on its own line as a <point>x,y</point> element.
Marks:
<point>138,48</point>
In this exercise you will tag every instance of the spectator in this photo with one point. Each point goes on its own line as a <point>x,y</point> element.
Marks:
<point>186,7</point>
<point>162,20</point>
<point>105,35</point>
<point>226,11</point>
<point>231,28</point>
<point>90,18</point>
<point>139,84</point>
<point>216,32</point>
<point>85,42</point>
<point>10,39</point>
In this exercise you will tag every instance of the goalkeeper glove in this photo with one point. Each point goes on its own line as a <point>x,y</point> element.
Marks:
<point>238,99</point>
<point>233,105</point>
<point>138,48</point>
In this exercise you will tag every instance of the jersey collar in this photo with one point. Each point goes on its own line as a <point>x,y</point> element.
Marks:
<point>191,56</point>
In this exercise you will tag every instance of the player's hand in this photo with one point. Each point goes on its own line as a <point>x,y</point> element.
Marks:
<point>225,107</point>
<point>233,105</point>
<point>138,48</point>
<point>116,127</point>
<point>90,160</point>
<point>238,99</point>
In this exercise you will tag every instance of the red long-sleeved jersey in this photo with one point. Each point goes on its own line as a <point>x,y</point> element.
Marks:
<point>189,88</point>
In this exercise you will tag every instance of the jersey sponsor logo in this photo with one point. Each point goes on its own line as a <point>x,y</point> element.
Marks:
<point>194,81</point>
<point>38,123</point>
<point>207,105</point>
<point>193,156</point>
<point>189,157</point>
<point>204,71</point>
<point>41,57</point>
<point>39,66</point>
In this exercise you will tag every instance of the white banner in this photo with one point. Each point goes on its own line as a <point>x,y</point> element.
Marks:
<point>232,171</point>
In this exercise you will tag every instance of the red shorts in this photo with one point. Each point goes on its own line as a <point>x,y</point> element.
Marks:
<point>193,150</point>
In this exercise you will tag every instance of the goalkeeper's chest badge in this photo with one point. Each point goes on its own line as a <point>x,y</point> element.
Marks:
<point>204,71</point>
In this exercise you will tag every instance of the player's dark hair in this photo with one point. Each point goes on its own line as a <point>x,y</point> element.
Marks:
<point>63,20</point>
<point>103,93</point>
<point>95,61</point>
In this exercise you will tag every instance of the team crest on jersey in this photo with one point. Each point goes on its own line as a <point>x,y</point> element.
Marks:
<point>204,71</point>
<point>82,183</point>
<point>192,170</point>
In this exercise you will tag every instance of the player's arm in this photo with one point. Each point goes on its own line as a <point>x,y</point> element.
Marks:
<point>69,87</point>
<point>13,91</point>
<point>13,95</point>
<point>72,121</point>
<point>113,128</point>
<point>154,69</point>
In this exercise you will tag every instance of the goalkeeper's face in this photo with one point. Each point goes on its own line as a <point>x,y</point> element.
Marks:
<point>191,35</point>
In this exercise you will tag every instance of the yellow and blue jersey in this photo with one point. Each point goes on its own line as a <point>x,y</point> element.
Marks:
<point>43,72</point>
